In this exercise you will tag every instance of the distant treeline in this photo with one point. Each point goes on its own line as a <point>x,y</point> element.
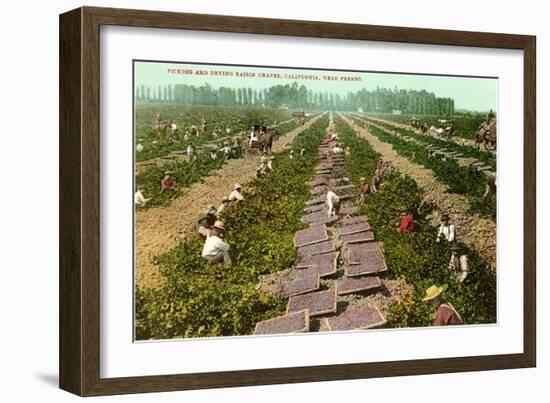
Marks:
<point>299,97</point>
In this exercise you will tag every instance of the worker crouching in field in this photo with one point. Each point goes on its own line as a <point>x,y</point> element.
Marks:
<point>139,199</point>
<point>376,183</point>
<point>203,228</point>
<point>446,230</point>
<point>406,224</point>
<point>236,195</point>
<point>223,206</point>
<point>215,250</point>
<point>167,183</point>
<point>445,313</point>
<point>364,190</point>
<point>269,165</point>
<point>332,203</point>
<point>458,265</point>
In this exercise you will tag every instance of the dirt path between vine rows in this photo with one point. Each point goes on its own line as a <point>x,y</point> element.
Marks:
<point>477,232</point>
<point>161,228</point>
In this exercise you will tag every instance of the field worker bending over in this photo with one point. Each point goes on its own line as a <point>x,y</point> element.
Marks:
<point>332,203</point>
<point>379,167</point>
<point>203,227</point>
<point>364,190</point>
<point>211,214</point>
<point>446,230</point>
<point>190,152</point>
<point>167,183</point>
<point>253,138</point>
<point>338,149</point>
<point>270,164</point>
<point>223,206</point>
<point>458,264</point>
<point>376,183</point>
<point>226,149</point>
<point>406,224</point>
<point>215,250</point>
<point>174,128</point>
<point>139,199</point>
<point>139,147</point>
<point>236,195</point>
<point>445,313</point>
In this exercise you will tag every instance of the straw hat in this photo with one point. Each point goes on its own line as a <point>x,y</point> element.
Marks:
<point>237,186</point>
<point>219,225</point>
<point>211,209</point>
<point>362,179</point>
<point>432,293</point>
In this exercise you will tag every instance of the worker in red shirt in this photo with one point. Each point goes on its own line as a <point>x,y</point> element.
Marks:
<point>167,182</point>
<point>406,224</point>
<point>445,313</point>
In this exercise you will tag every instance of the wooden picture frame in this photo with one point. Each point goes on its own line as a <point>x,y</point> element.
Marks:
<point>79,348</point>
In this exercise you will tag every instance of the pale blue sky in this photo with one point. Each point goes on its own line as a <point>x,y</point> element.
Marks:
<point>476,94</point>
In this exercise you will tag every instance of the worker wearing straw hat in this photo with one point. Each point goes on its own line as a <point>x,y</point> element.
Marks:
<point>364,190</point>
<point>445,313</point>
<point>167,183</point>
<point>203,226</point>
<point>236,195</point>
<point>223,206</point>
<point>215,250</point>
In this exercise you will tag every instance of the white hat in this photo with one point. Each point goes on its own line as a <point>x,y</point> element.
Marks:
<point>237,186</point>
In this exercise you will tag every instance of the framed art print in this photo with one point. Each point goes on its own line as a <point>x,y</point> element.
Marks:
<point>251,201</point>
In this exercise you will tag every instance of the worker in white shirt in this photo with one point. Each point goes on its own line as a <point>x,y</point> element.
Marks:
<point>446,230</point>
<point>226,149</point>
<point>215,250</point>
<point>236,195</point>
<point>174,128</point>
<point>338,149</point>
<point>334,136</point>
<point>253,138</point>
<point>139,147</point>
<point>270,164</point>
<point>214,153</point>
<point>139,199</point>
<point>458,265</point>
<point>332,203</point>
